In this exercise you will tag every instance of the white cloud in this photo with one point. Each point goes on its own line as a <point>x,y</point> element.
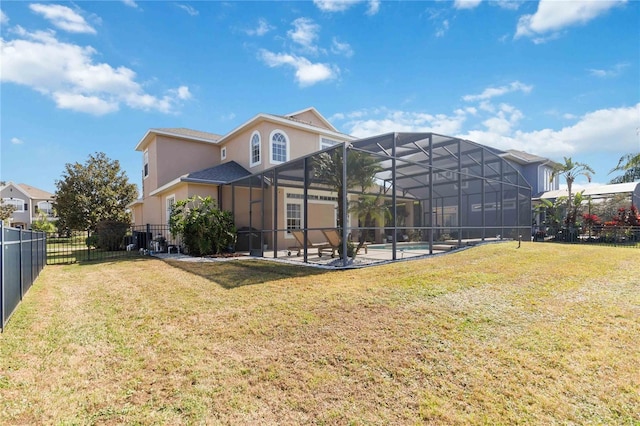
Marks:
<point>305,33</point>
<point>262,28</point>
<point>306,72</point>
<point>466,4</point>
<point>17,141</point>
<point>374,7</point>
<point>63,17</point>
<point>508,4</point>
<point>130,3</point>
<point>553,16</point>
<point>611,130</point>
<point>443,29</point>
<point>341,48</point>
<point>68,74</point>
<point>382,120</point>
<point>615,71</point>
<point>4,19</point>
<point>189,9</point>
<point>342,5</point>
<point>492,92</point>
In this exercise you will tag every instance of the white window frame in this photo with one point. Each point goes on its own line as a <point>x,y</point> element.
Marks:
<point>18,203</point>
<point>48,210</point>
<point>145,164</point>
<point>223,153</point>
<point>251,162</point>
<point>168,203</point>
<point>327,142</point>
<point>316,200</point>
<point>300,206</point>
<point>286,142</point>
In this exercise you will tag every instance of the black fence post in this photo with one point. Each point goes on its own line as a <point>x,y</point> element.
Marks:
<point>88,242</point>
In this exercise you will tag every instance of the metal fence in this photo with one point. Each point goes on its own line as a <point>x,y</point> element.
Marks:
<point>22,258</point>
<point>116,243</point>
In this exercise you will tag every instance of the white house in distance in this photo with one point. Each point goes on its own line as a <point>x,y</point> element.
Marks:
<point>29,203</point>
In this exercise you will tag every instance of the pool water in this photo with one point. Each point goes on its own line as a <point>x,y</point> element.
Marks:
<point>400,246</point>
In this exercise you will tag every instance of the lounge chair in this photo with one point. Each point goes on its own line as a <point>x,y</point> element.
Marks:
<point>333,236</point>
<point>299,236</point>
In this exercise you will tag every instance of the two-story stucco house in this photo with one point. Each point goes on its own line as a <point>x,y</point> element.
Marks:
<point>29,203</point>
<point>181,163</point>
<point>443,185</point>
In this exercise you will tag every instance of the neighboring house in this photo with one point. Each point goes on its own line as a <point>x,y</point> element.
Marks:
<point>29,203</point>
<point>180,163</point>
<point>535,169</point>
<point>538,171</point>
<point>598,192</point>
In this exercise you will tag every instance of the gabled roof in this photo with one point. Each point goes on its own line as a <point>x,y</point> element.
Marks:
<point>314,112</point>
<point>291,121</point>
<point>36,193</point>
<point>178,132</point>
<point>522,157</point>
<point>217,175</point>
<point>31,191</point>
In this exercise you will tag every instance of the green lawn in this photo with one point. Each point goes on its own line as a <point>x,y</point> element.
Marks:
<point>544,334</point>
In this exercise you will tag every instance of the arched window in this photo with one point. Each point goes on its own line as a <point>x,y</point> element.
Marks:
<point>45,207</point>
<point>279,147</point>
<point>17,203</point>
<point>255,150</point>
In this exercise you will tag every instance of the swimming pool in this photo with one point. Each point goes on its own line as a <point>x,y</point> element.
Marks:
<point>401,246</point>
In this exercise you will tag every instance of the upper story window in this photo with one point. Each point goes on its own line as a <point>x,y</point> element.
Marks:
<point>279,147</point>
<point>326,142</point>
<point>223,153</point>
<point>145,171</point>
<point>549,183</point>
<point>45,207</point>
<point>255,151</point>
<point>17,203</point>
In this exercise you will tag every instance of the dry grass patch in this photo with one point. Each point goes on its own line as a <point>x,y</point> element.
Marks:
<point>543,334</point>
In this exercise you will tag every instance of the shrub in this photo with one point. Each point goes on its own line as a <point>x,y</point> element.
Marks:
<point>110,234</point>
<point>204,228</point>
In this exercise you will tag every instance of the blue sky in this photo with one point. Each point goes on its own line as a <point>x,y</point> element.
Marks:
<point>553,78</point>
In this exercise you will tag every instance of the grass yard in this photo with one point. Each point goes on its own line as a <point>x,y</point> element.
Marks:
<point>544,334</point>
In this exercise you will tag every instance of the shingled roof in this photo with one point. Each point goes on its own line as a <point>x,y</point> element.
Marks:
<point>219,174</point>
<point>182,131</point>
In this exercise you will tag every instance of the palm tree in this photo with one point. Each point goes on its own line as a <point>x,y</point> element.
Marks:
<point>571,170</point>
<point>361,171</point>
<point>369,207</point>
<point>630,165</point>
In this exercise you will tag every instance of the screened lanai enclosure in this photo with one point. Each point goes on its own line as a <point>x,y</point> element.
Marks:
<point>398,195</point>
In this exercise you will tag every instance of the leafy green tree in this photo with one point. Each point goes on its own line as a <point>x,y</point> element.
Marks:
<point>6,210</point>
<point>629,164</point>
<point>204,228</point>
<point>92,192</point>
<point>42,223</point>
<point>571,170</point>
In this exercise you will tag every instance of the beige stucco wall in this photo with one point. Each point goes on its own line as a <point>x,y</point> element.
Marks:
<point>176,157</point>
<point>301,143</point>
<point>309,117</point>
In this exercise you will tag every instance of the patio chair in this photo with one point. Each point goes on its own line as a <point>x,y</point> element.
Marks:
<point>299,236</point>
<point>333,236</point>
